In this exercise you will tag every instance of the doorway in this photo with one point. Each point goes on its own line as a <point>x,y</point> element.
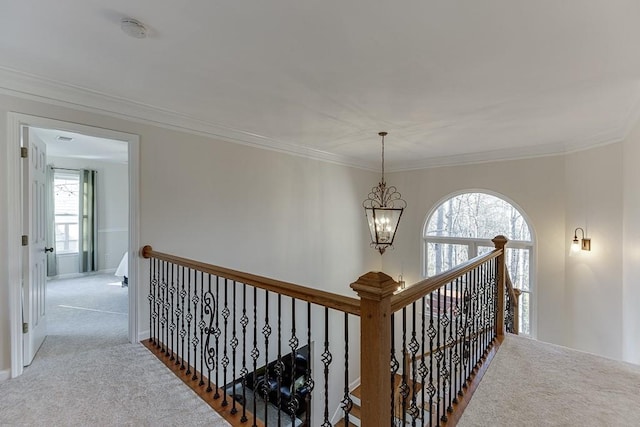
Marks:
<point>83,243</point>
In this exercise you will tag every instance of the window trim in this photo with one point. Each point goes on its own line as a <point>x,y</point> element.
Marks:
<point>515,244</point>
<point>63,173</point>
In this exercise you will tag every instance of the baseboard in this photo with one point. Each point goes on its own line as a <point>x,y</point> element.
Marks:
<point>143,335</point>
<point>5,375</point>
<point>76,275</point>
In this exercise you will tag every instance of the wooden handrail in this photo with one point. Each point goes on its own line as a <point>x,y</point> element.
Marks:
<point>315,296</point>
<point>425,287</point>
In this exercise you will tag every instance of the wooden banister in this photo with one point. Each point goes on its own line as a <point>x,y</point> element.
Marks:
<point>375,290</point>
<point>425,287</point>
<point>315,296</point>
<point>469,297</point>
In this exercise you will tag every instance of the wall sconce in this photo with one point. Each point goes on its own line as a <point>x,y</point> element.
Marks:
<point>584,243</point>
<point>401,283</point>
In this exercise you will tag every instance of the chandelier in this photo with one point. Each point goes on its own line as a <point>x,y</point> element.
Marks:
<point>383,209</point>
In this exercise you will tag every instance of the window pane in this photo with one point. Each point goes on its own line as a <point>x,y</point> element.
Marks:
<point>484,250</point>
<point>518,266</point>
<point>66,187</point>
<point>444,256</point>
<point>478,216</point>
<point>525,306</point>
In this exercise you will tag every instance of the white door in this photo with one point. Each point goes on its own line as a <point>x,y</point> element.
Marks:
<point>34,268</point>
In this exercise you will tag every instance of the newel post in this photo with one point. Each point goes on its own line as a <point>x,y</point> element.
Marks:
<point>375,290</point>
<point>500,242</point>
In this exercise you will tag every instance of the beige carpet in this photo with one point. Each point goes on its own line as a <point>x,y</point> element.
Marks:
<point>530,383</point>
<point>86,374</point>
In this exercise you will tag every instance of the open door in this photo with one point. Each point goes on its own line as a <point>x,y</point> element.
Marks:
<point>34,268</point>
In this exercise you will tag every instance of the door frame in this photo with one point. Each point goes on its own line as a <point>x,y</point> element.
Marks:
<point>14,220</point>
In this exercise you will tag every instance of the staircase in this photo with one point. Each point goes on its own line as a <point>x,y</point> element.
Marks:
<point>355,414</point>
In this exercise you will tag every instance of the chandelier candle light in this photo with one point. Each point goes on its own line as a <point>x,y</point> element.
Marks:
<point>383,209</point>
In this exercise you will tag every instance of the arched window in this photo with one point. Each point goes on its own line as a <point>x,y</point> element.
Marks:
<point>461,228</point>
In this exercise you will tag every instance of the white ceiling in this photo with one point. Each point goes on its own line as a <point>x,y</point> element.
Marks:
<point>451,81</point>
<point>82,146</point>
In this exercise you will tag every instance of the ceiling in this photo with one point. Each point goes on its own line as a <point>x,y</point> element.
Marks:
<point>77,146</point>
<point>451,81</point>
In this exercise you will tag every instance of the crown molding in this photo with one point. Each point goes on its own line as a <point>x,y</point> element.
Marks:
<point>40,89</point>
<point>615,135</point>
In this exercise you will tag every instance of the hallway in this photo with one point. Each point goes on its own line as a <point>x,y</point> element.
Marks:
<point>86,373</point>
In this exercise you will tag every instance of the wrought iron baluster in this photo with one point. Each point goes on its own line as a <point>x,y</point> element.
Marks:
<point>183,332</point>
<point>244,321</point>
<point>347,403</point>
<point>309,383</point>
<point>189,318</point>
<point>151,298</point>
<point>481,319</point>
<point>266,332</point>
<point>431,388</point>
<point>486,297</point>
<point>394,365</point>
<point>195,299</point>
<point>163,317</point>
<point>404,388</point>
<point>451,346</point>
<point>423,366</point>
<point>255,354</point>
<point>217,333</point>
<point>172,293</point>
<point>293,404</point>
<point>202,325</point>
<point>414,347</point>
<point>326,361</point>
<point>445,321</point>
<point>234,345</point>
<point>439,358</point>
<point>279,368</point>
<point>468,315</point>
<point>209,303</point>
<point>476,318</point>
<point>225,357</point>
<point>459,339</point>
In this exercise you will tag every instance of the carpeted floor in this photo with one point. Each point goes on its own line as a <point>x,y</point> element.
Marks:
<point>531,383</point>
<point>86,373</point>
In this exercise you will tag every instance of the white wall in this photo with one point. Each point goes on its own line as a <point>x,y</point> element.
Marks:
<point>631,247</point>
<point>301,220</point>
<point>588,301</point>
<point>260,211</point>
<point>112,207</point>
<point>593,194</point>
<point>535,185</point>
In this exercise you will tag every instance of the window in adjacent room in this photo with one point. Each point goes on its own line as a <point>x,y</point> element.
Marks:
<point>66,192</point>
<point>461,228</point>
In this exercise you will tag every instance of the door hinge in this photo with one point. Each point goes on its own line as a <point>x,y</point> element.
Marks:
<point>24,152</point>
<point>25,240</point>
<point>25,328</point>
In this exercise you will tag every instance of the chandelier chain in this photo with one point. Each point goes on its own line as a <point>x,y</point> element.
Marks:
<point>382,134</point>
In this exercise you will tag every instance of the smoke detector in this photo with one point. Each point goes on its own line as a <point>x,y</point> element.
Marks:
<point>133,27</point>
